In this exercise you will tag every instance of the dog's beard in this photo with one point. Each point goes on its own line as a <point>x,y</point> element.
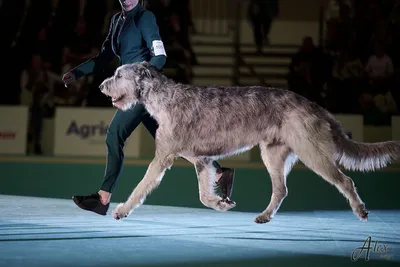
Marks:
<point>124,104</point>
<point>121,95</point>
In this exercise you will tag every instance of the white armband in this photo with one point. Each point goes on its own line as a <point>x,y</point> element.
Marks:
<point>157,48</point>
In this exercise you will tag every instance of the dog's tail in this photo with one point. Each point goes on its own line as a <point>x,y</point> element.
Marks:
<point>360,156</point>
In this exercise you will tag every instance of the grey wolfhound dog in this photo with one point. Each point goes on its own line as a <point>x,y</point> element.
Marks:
<point>205,123</point>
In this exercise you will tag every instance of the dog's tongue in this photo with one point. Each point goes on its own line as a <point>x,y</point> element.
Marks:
<point>114,99</point>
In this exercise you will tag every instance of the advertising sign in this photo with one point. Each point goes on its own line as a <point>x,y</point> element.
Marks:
<point>13,129</point>
<point>82,132</point>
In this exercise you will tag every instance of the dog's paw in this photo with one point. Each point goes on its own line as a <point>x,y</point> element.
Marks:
<point>121,211</point>
<point>262,218</point>
<point>361,212</point>
<point>225,205</point>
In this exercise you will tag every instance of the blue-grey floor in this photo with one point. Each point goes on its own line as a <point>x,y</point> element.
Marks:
<point>54,232</point>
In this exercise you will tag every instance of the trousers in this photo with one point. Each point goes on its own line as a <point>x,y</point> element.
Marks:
<point>122,125</point>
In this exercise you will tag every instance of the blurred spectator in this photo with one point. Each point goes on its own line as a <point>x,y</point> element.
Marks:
<point>340,29</point>
<point>394,13</point>
<point>181,17</point>
<point>380,31</point>
<point>307,71</point>
<point>80,46</point>
<point>369,38</point>
<point>41,37</point>
<point>378,101</point>
<point>14,44</point>
<point>66,31</point>
<point>54,20</point>
<point>333,8</point>
<point>261,13</point>
<point>175,35</point>
<point>181,62</point>
<point>347,83</point>
<point>37,87</point>
<point>379,66</point>
<point>73,95</point>
<point>385,103</point>
<point>380,71</point>
<point>163,15</point>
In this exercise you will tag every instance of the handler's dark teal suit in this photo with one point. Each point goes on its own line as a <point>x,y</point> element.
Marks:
<point>130,39</point>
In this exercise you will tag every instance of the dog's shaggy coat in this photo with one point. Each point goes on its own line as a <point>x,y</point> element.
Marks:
<point>206,123</point>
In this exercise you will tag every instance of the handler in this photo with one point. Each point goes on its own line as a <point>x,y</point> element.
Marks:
<point>134,37</point>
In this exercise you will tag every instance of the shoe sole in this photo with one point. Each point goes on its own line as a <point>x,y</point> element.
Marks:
<point>98,209</point>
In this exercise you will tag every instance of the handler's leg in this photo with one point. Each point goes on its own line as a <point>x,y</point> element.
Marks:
<point>225,176</point>
<point>120,128</point>
<point>224,181</point>
<point>205,171</point>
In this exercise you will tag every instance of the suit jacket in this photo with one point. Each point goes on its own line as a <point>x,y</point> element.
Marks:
<point>131,39</point>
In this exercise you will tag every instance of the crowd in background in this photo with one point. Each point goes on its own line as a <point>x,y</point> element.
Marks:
<point>261,14</point>
<point>354,71</point>
<point>42,39</point>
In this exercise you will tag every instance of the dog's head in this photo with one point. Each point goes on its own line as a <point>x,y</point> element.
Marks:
<point>128,83</point>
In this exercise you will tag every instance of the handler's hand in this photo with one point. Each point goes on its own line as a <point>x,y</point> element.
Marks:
<point>68,78</point>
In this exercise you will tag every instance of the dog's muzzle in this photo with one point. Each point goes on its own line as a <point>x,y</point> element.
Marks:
<point>101,87</point>
<point>104,87</point>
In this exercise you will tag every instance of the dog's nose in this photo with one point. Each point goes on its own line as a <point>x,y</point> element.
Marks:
<point>101,86</point>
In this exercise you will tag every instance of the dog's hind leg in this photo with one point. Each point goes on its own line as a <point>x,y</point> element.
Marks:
<point>323,165</point>
<point>153,177</point>
<point>206,179</point>
<point>278,160</point>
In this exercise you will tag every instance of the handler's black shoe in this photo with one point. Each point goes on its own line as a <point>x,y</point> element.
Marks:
<point>225,183</point>
<point>91,203</point>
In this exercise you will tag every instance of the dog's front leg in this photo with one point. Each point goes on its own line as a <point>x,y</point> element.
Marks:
<point>153,177</point>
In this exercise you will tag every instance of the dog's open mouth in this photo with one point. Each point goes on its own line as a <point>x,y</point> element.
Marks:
<point>117,99</point>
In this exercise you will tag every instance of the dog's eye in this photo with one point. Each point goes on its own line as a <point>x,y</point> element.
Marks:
<point>119,76</point>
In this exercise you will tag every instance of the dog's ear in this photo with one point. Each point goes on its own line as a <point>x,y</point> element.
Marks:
<point>145,64</point>
<point>147,70</point>
<point>146,73</point>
